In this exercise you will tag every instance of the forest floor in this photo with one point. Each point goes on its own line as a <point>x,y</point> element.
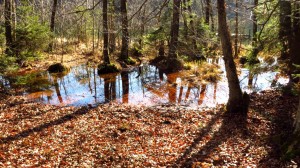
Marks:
<point>118,135</point>
<point>115,135</point>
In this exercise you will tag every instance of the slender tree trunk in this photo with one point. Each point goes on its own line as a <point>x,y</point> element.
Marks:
<point>93,31</point>
<point>297,120</point>
<point>53,13</point>
<point>8,26</point>
<point>52,21</point>
<point>236,30</point>
<point>112,34</point>
<point>42,11</point>
<point>254,31</point>
<point>192,25</point>
<point>143,22</point>
<point>174,30</point>
<point>125,34</point>
<point>207,11</point>
<point>212,18</point>
<point>14,19</point>
<point>105,33</point>
<point>185,22</point>
<point>235,101</point>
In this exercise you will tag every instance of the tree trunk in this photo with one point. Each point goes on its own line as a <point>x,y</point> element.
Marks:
<point>105,33</point>
<point>297,121</point>
<point>254,31</point>
<point>143,22</point>
<point>174,30</point>
<point>52,21</point>
<point>93,31</point>
<point>212,18</point>
<point>285,27</point>
<point>125,34</point>
<point>236,39</point>
<point>295,43</point>
<point>8,26</point>
<point>192,25</point>
<point>207,8</point>
<point>112,34</point>
<point>184,15</point>
<point>14,19</point>
<point>235,101</point>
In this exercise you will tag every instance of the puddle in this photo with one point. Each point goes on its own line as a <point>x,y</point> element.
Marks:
<point>145,85</point>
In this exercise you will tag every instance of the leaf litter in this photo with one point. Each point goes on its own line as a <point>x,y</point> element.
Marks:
<point>120,135</point>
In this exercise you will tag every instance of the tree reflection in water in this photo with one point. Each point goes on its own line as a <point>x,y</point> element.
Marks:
<point>145,85</point>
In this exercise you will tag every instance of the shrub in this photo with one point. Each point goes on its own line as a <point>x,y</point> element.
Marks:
<point>32,37</point>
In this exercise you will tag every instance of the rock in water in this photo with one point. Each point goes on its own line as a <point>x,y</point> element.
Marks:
<point>55,68</point>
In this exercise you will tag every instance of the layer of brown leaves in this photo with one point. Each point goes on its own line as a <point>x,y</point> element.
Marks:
<point>114,135</point>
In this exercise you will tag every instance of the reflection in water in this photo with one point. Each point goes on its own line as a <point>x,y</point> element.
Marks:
<point>145,85</point>
<point>56,86</point>
<point>172,88</point>
<point>125,86</point>
<point>202,94</point>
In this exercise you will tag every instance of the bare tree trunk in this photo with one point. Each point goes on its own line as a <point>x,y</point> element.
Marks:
<point>8,26</point>
<point>297,120</point>
<point>254,31</point>
<point>93,31</point>
<point>295,43</point>
<point>235,101</point>
<point>174,30</point>
<point>207,11</point>
<point>125,34</point>
<point>295,52</point>
<point>285,31</point>
<point>185,22</point>
<point>192,25</point>
<point>14,18</point>
<point>42,11</point>
<point>112,34</point>
<point>212,18</point>
<point>52,21</point>
<point>236,30</point>
<point>105,33</point>
<point>143,22</point>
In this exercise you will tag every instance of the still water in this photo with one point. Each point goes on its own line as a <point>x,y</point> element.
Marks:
<point>144,85</point>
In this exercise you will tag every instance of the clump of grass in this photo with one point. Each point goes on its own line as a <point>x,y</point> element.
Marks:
<point>205,71</point>
<point>107,68</point>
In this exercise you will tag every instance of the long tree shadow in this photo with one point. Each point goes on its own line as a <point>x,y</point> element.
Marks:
<point>231,124</point>
<point>39,128</point>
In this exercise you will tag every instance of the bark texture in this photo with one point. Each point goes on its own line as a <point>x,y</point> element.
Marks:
<point>174,30</point>
<point>105,33</point>
<point>125,34</point>
<point>8,25</point>
<point>235,101</point>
